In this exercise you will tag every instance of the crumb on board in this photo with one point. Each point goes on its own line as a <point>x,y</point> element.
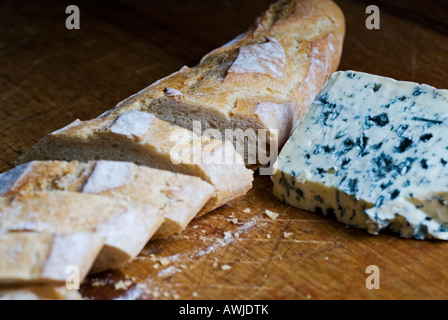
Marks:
<point>164,261</point>
<point>225,267</point>
<point>271,214</point>
<point>176,296</point>
<point>98,283</point>
<point>195,295</point>
<point>123,285</point>
<point>308,296</point>
<point>326,258</point>
<point>268,236</point>
<point>233,220</point>
<point>247,210</point>
<point>156,266</point>
<point>227,235</point>
<point>287,234</point>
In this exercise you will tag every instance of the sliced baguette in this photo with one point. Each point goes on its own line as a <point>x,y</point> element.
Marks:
<point>264,79</point>
<point>125,228</point>
<point>29,257</point>
<point>142,138</point>
<point>171,200</point>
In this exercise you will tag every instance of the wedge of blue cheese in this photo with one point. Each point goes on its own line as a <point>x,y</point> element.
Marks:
<point>373,152</point>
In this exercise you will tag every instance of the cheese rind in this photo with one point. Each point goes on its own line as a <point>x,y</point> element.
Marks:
<point>373,152</point>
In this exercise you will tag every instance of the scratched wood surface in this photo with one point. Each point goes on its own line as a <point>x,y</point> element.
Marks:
<point>50,76</point>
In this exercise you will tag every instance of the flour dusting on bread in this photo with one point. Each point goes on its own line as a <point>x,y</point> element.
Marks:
<point>108,175</point>
<point>268,58</point>
<point>70,125</point>
<point>9,178</point>
<point>134,123</point>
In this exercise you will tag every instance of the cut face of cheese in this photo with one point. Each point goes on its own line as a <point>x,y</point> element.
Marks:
<point>373,152</point>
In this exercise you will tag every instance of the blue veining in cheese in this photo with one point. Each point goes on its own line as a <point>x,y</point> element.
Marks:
<point>372,151</point>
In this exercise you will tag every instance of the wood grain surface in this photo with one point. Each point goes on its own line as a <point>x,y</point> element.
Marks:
<point>50,76</point>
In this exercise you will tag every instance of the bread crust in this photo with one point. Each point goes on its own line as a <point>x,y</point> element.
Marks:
<point>171,200</point>
<point>39,258</point>
<point>217,164</point>
<point>311,32</point>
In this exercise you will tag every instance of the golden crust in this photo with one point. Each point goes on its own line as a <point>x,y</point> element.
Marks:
<point>311,33</point>
<point>155,148</point>
<point>30,257</point>
<point>171,200</point>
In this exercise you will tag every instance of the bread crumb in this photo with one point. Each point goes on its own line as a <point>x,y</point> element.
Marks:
<point>203,231</point>
<point>166,294</point>
<point>164,261</point>
<point>237,235</point>
<point>268,236</point>
<point>227,235</point>
<point>247,210</point>
<point>233,220</point>
<point>225,267</point>
<point>156,266</point>
<point>287,234</point>
<point>155,294</point>
<point>215,265</point>
<point>122,285</point>
<point>326,258</point>
<point>98,283</point>
<point>271,214</point>
<point>176,296</point>
<point>195,295</point>
<point>152,257</point>
<point>183,266</point>
<point>195,227</point>
<point>308,296</point>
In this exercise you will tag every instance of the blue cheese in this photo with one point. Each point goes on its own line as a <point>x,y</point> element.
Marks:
<point>373,152</point>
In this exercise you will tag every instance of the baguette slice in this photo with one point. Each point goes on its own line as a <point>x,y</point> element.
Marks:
<point>38,292</point>
<point>264,79</point>
<point>126,229</point>
<point>171,200</point>
<point>142,138</point>
<point>29,257</point>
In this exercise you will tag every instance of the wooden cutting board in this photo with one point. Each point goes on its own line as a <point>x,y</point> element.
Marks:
<point>50,76</point>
